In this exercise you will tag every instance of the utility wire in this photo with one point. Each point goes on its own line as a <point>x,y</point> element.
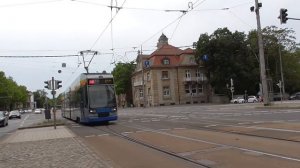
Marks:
<point>98,38</point>
<point>184,12</point>
<point>176,27</point>
<point>28,3</point>
<point>37,56</point>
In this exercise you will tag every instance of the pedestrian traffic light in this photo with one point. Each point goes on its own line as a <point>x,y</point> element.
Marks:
<point>283,15</point>
<point>48,84</point>
<point>58,84</point>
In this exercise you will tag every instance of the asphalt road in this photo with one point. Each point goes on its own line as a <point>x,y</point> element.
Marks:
<point>27,119</point>
<point>234,135</point>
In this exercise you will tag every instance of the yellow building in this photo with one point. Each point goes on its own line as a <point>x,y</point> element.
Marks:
<point>169,76</point>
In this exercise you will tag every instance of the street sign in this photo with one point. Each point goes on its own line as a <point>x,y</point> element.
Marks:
<point>205,57</point>
<point>147,63</point>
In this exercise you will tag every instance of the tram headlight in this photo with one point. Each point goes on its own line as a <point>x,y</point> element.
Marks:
<point>93,111</point>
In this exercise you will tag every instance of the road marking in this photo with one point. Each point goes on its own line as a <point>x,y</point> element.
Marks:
<point>274,129</point>
<point>232,146</point>
<point>243,123</point>
<point>127,132</point>
<point>258,122</point>
<point>102,135</point>
<point>213,125</point>
<point>90,136</point>
<point>179,128</point>
<point>22,123</point>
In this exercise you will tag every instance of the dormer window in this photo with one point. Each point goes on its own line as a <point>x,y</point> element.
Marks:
<point>166,61</point>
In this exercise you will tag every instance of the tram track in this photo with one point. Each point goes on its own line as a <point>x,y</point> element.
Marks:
<point>238,133</point>
<point>111,131</point>
<point>225,145</point>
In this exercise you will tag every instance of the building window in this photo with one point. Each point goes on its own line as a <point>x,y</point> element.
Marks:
<point>148,76</point>
<point>198,73</point>
<point>166,61</point>
<point>149,90</point>
<point>200,88</point>
<point>187,89</point>
<point>194,89</point>
<point>192,59</point>
<point>187,74</point>
<point>166,91</point>
<point>141,93</point>
<point>164,75</point>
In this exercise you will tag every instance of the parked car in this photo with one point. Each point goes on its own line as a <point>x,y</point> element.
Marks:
<point>28,110</point>
<point>295,96</point>
<point>37,111</point>
<point>14,114</point>
<point>252,99</point>
<point>238,100</point>
<point>3,119</point>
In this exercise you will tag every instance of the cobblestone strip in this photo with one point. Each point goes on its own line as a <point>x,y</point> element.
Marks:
<point>53,153</point>
<point>106,162</point>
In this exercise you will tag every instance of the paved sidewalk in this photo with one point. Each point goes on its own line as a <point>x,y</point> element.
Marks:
<point>46,147</point>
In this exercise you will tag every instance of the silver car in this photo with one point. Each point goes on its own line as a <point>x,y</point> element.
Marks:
<point>252,99</point>
<point>3,118</point>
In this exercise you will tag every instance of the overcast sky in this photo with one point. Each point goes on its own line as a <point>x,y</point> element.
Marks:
<point>65,27</point>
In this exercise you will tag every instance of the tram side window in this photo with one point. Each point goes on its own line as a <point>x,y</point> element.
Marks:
<point>84,99</point>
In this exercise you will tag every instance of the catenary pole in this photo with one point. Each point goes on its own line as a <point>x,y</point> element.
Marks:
<point>262,58</point>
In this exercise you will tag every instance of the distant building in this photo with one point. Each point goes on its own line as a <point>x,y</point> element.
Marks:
<point>30,101</point>
<point>170,76</point>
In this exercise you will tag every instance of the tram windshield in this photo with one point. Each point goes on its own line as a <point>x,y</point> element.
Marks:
<point>101,96</point>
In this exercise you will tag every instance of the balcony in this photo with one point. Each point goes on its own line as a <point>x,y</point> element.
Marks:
<point>195,79</point>
<point>138,83</point>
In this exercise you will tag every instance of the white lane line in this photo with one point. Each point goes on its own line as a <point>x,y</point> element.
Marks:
<point>22,123</point>
<point>234,147</point>
<point>258,122</point>
<point>90,136</point>
<point>213,125</point>
<point>243,123</point>
<point>126,132</point>
<point>179,128</point>
<point>274,129</point>
<point>102,135</point>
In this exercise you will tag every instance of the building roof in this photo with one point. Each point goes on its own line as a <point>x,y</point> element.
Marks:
<point>167,50</point>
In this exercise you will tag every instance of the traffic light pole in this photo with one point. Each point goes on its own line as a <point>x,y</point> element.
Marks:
<point>54,101</point>
<point>53,85</point>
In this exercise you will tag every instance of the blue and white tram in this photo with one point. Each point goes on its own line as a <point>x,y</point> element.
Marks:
<point>91,99</point>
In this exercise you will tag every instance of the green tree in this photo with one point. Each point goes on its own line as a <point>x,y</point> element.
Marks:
<point>228,57</point>
<point>40,97</point>
<point>122,79</point>
<point>279,41</point>
<point>12,95</point>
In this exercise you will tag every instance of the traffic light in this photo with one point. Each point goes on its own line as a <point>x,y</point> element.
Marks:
<point>58,84</point>
<point>283,15</point>
<point>48,84</point>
